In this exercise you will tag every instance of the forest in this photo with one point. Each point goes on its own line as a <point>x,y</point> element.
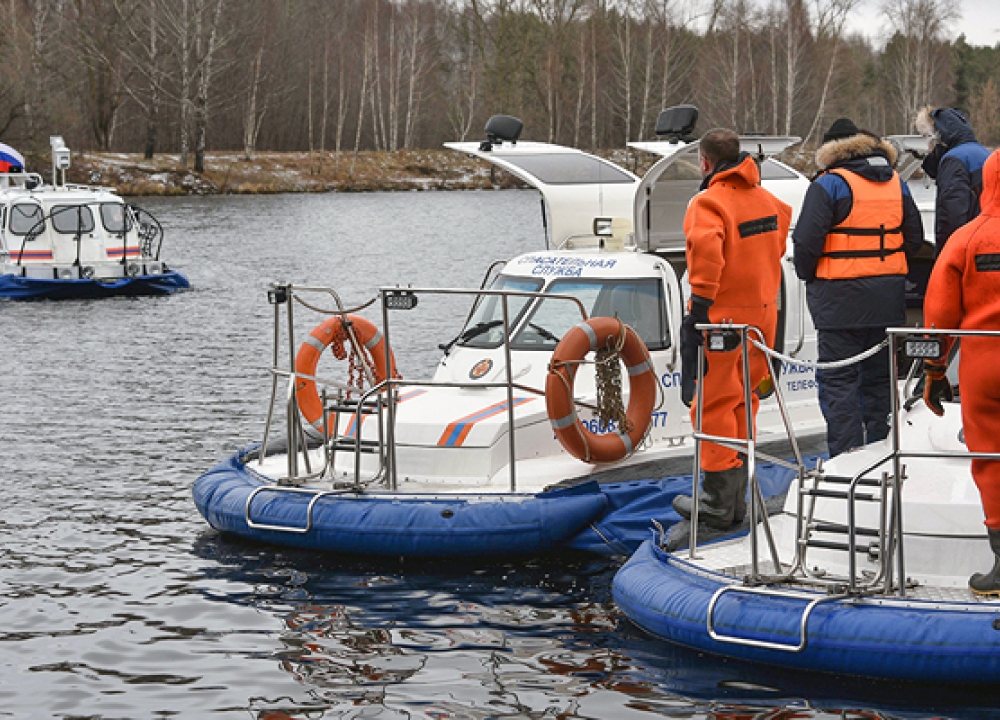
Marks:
<point>189,76</point>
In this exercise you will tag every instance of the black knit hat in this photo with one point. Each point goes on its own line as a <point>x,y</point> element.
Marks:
<point>841,128</point>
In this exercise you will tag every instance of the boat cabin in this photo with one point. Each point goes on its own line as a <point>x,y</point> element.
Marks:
<point>63,231</point>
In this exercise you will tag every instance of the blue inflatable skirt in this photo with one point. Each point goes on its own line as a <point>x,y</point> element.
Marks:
<point>387,524</point>
<point>13,287</point>
<point>887,638</point>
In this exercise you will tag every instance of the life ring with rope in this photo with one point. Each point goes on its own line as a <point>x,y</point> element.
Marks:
<point>595,334</point>
<point>333,333</point>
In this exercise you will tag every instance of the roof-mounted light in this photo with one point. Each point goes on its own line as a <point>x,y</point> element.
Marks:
<point>677,123</point>
<point>501,129</point>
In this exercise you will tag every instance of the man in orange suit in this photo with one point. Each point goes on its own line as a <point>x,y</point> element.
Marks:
<point>736,232</point>
<point>964,293</point>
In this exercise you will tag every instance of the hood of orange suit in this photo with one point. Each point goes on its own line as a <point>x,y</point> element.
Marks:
<point>743,171</point>
<point>990,200</point>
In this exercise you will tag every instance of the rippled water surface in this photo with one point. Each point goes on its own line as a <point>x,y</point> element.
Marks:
<point>118,601</point>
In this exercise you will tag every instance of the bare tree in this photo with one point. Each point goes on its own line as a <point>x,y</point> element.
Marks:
<point>916,56</point>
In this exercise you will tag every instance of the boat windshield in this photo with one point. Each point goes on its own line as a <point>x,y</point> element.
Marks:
<point>636,302</point>
<point>24,217</point>
<point>113,217</point>
<point>569,169</point>
<point>485,328</point>
<point>72,219</point>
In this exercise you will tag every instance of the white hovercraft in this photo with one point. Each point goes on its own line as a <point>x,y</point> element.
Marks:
<point>67,241</point>
<point>437,470</point>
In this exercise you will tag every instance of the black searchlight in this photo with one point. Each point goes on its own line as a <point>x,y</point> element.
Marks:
<point>501,129</point>
<point>677,123</point>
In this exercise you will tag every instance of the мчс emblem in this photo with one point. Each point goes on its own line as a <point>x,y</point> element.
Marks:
<point>480,368</point>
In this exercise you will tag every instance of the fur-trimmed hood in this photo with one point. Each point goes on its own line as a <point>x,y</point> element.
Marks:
<point>836,152</point>
<point>947,126</point>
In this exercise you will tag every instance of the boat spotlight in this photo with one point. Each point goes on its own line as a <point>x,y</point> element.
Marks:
<point>917,347</point>
<point>65,273</point>
<point>87,272</point>
<point>723,340</point>
<point>154,268</point>
<point>602,227</point>
<point>133,269</point>
<point>501,129</point>
<point>677,123</point>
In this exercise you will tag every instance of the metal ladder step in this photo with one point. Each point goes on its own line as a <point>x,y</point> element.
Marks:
<point>839,480</point>
<point>827,545</point>
<point>366,409</point>
<point>349,445</point>
<point>843,529</point>
<point>840,494</point>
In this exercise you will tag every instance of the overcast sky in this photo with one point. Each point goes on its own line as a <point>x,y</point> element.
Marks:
<point>980,21</point>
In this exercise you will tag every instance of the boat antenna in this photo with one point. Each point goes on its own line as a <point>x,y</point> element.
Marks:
<point>60,160</point>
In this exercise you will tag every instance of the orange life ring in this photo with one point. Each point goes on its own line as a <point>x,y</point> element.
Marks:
<point>332,333</point>
<point>580,442</point>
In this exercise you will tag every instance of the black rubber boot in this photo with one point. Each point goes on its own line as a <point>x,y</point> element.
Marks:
<point>718,499</point>
<point>740,508</point>
<point>989,584</point>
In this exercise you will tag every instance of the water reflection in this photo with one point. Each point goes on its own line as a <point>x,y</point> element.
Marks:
<point>531,638</point>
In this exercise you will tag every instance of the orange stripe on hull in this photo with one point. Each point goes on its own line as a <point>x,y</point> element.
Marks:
<point>456,433</point>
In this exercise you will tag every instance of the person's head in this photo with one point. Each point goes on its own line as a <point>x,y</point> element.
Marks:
<point>842,128</point>
<point>719,145</point>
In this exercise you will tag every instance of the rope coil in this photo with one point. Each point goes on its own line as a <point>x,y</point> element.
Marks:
<point>610,407</point>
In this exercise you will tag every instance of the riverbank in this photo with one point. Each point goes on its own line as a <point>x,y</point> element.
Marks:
<point>267,173</point>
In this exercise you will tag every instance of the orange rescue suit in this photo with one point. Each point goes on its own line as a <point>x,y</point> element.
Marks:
<point>964,293</point>
<point>869,242</point>
<point>736,232</point>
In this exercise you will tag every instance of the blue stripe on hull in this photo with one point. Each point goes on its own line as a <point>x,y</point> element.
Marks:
<point>383,524</point>
<point>927,642</point>
<point>13,287</point>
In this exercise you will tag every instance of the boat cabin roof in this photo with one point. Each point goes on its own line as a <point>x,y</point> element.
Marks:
<point>579,188</point>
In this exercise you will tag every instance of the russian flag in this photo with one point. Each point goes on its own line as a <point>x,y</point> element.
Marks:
<point>10,159</point>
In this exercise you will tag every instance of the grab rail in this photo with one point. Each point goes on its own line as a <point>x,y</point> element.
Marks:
<point>281,293</point>
<point>316,496</point>
<point>770,592</point>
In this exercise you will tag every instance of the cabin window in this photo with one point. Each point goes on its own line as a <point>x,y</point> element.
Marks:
<point>569,169</point>
<point>24,217</point>
<point>72,219</point>
<point>638,303</point>
<point>770,170</point>
<point>485,327</point>
<point>113,217</point>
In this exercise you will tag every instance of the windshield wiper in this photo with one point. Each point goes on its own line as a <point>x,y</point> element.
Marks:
<point>475,331</point>
<point>543,333</point>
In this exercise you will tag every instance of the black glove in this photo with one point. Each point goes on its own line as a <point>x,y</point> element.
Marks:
<point>937,387</point>
<point>691,340</point>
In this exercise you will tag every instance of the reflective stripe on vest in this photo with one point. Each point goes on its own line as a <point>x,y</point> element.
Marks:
<point>869,242</point>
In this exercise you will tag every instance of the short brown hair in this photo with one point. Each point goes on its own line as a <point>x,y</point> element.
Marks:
<point>720,145</point>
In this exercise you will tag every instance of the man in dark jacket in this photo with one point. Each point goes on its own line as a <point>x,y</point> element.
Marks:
<point>955,161</point>
<point>857,228</point>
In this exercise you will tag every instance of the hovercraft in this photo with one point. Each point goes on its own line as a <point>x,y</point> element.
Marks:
<point>67,241</point>
<point>566,370</point>
<point>863,573</point>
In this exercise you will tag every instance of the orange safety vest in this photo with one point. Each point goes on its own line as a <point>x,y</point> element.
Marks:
<point>869,242</point>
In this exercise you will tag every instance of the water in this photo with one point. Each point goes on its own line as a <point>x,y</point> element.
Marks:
<point>118,601</point>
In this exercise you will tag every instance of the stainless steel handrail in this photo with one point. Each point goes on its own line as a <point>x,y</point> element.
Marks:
<point>812,599</point>
<point>386,441</point>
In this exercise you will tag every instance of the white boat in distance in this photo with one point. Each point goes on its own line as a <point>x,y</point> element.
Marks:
<point>68,241</point>
<point>614,249</point>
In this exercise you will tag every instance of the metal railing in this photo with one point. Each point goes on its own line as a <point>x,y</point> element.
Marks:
<point>746,447</point>
<point>380,398</point>
<point>886,492</point>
